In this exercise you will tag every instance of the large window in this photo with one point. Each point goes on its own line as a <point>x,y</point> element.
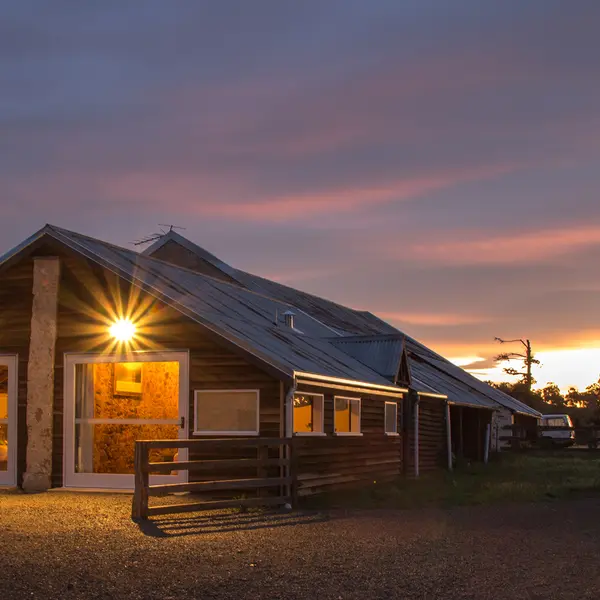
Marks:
<point>391,418</point>
<point>346,418</point>
<point>308,414</point>
<point>226,412</point>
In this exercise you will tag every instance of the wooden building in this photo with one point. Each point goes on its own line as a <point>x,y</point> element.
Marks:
<point>101,346</point>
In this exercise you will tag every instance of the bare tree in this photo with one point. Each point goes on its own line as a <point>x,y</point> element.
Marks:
<point>526,357</point>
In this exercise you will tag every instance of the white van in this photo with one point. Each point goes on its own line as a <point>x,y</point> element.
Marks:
<point>557,438</point>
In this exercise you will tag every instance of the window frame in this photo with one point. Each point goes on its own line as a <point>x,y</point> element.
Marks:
<point>395,432</point>
<point>310,433</point>
<point>254,433</point>
<point>348,433</point>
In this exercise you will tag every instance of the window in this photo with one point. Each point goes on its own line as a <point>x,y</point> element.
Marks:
<point>308,414</point>
<point>391,418</point>
<point>346,418</point>
<point>226,412</point>
<point>128,379</point>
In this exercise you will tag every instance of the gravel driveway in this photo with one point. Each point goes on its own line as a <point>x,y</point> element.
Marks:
<point>67,545</point>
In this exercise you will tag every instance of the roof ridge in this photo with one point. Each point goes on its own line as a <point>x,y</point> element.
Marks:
<point>63,231</point>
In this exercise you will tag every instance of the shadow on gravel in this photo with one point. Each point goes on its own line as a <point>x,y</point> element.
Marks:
<point>222,523</point>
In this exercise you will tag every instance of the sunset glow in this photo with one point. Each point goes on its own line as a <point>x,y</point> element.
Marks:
<point>564,367</point>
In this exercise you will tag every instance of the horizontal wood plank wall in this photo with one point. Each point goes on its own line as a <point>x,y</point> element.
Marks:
<point>88,302</point>
<point>332,462</point>
<point>432,435</point>
<point>16,300</point>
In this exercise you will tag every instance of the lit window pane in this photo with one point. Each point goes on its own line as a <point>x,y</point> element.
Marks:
<point>308,413</point>
<point>347,415</point>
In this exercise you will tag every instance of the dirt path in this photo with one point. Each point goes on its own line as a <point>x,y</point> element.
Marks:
<point>61,545</point>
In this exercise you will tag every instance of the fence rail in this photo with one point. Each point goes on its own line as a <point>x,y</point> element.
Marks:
<point>271,490</point>
<point>516,434</point>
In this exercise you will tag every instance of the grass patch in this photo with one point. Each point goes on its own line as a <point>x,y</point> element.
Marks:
<point>511,478</point>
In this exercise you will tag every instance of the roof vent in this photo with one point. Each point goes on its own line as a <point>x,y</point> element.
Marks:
<point>289,318</point>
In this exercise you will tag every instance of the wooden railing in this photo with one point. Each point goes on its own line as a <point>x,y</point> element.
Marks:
<point>270,490</point>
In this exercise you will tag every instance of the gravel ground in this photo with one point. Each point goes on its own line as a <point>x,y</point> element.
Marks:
<point>67,545</point>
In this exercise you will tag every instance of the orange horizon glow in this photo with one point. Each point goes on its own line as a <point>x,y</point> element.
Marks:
<point>566,367</point>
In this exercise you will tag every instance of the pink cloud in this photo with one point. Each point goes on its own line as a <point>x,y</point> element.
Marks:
<point>432,318</point>
<point>283,207</point>
<point>519,247</point>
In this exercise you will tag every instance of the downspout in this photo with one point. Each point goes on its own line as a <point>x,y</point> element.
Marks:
<point>414,396</point>
<point>291,490</point>
<point>289,409</point>
<point>448,436</point>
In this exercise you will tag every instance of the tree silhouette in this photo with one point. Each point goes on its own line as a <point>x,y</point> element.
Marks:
<point>527,358</point>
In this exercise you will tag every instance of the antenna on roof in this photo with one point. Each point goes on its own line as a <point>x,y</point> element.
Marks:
<point>153,237</point>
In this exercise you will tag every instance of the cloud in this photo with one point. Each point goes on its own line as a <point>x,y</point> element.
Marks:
<point>510,248</point>
<point>433,319</point>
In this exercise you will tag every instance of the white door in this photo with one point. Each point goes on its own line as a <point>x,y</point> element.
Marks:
<point>8,420</point>
<point>113,400</point>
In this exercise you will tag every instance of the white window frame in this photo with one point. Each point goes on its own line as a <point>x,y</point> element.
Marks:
<point>348,433</point>
<point>256,432</point>
<point>310,433</point>
<point>120,481</point>
<point>11,362</point>
<point>395,432</point>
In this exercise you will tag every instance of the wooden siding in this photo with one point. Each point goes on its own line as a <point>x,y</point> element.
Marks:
<point>330,462</point>
<point>16,300</point>
<point>432,435</point>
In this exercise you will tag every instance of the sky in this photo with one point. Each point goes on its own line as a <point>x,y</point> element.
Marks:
<point>434,162</point>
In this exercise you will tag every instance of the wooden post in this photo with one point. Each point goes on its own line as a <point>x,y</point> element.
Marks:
<point>139,508</point>
<point>293,470</point>
<point>406,433</point>
<point>448,436</point>
<point>416,435</point>
<point>461,440</point>
<point>263,472</point>
<point>479,437</point>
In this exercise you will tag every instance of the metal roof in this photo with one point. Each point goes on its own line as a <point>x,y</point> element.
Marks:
<point>456,391</point>
<point>372,339</point>
<point>244,317</point>
<point>344,320</point>
<point>380,352</point>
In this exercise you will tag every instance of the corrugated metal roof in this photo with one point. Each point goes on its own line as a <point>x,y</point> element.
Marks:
<point>382,353</point>
<point>342,319</point>
<point>457,392</point>
<point>244,317</point>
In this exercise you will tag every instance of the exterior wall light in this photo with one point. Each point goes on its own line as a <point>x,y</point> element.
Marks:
<point>123,330</point>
